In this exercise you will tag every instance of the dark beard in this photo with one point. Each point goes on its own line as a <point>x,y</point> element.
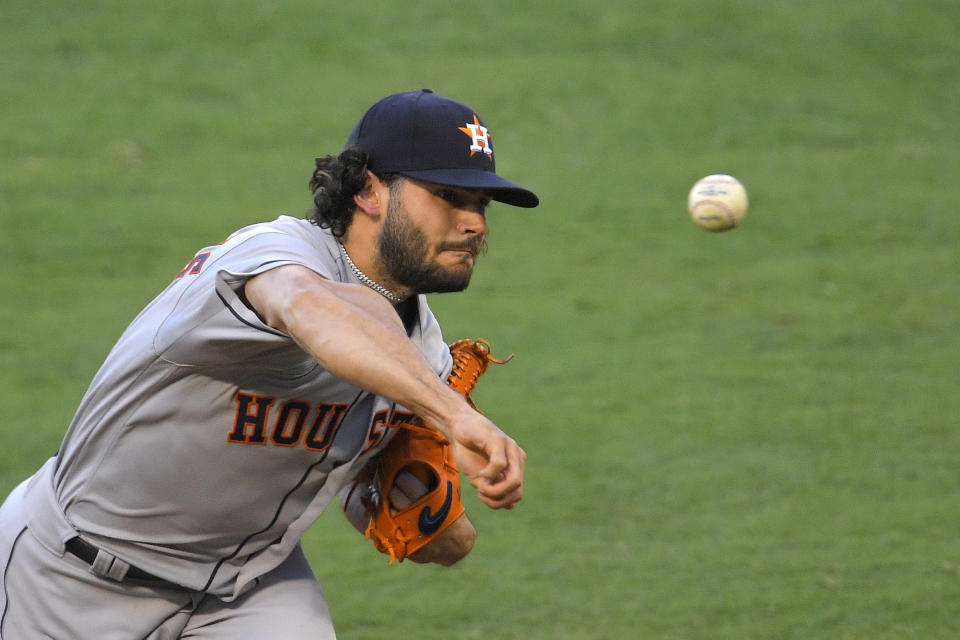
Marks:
<point>403,252</point>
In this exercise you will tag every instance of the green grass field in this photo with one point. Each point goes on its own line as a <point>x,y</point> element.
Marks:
<point>741,435</point>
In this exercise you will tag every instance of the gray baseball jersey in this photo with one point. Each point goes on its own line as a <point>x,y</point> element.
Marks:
<point>208,441</point>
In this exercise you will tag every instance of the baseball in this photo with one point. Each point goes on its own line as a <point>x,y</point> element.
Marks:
<point>717,203</point>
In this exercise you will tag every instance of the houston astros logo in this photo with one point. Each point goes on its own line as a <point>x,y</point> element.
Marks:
<point>480,137</point>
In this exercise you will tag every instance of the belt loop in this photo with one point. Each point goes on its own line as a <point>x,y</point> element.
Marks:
<point>107,565</point>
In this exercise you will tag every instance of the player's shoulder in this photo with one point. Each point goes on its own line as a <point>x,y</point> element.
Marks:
<point>286,234</point>
<point>284,225</point>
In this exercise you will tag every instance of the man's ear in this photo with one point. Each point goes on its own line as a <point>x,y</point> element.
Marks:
<point>369,199</point>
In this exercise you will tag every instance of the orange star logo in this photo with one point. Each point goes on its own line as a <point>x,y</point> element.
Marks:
<point>479,136</point>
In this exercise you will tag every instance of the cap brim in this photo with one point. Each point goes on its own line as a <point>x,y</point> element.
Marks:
<point>501,189</point>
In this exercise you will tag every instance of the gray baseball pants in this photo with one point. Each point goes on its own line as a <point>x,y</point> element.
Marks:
<point>43,595</point>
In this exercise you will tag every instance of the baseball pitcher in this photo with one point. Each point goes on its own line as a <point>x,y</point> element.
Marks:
<point>293,363</point>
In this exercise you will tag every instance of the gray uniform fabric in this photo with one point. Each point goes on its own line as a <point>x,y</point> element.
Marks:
<point>204,447</point>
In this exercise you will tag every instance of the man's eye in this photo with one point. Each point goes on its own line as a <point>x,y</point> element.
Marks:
<point>458,200</point>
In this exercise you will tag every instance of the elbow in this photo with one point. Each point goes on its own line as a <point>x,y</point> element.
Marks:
<point>449,547</point>
<point>459,550</point>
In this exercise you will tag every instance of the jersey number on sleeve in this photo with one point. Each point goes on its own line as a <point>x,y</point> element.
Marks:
<point>194,266</point>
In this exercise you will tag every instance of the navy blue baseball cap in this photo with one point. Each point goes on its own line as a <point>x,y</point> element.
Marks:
<point>428,137</point>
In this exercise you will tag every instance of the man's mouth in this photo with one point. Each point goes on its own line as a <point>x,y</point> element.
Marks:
<point>472,248</point>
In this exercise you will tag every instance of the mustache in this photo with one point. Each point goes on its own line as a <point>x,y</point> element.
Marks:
<point>476,246</point>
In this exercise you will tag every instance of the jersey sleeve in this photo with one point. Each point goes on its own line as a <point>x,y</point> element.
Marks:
<point>207,321</point>
<point>431,341</point>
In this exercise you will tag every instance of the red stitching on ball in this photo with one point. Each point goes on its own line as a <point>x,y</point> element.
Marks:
<point>732,219</point>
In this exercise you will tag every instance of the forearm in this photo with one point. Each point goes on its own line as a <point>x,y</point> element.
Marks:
<point>357,336</point>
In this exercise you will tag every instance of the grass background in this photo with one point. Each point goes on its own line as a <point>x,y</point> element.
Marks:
<point>740,435</point>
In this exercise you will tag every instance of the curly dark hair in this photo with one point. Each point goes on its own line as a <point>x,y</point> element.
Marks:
<point>335,180</point>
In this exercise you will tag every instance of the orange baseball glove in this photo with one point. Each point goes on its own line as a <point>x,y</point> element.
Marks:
<point>422,451</point>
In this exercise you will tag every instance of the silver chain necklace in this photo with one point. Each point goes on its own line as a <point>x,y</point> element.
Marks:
<point>362,277</point>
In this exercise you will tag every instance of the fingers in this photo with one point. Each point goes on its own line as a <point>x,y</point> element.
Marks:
<point>500,484</point>
<point>490,459</point>
<point>410,485</point>
<point>398,500</point>
<point>406,490</point>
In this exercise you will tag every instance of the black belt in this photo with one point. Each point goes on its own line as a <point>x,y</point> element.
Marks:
<point>88,553</point>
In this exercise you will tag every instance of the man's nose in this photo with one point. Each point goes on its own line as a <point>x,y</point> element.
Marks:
<point>472,223</point>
